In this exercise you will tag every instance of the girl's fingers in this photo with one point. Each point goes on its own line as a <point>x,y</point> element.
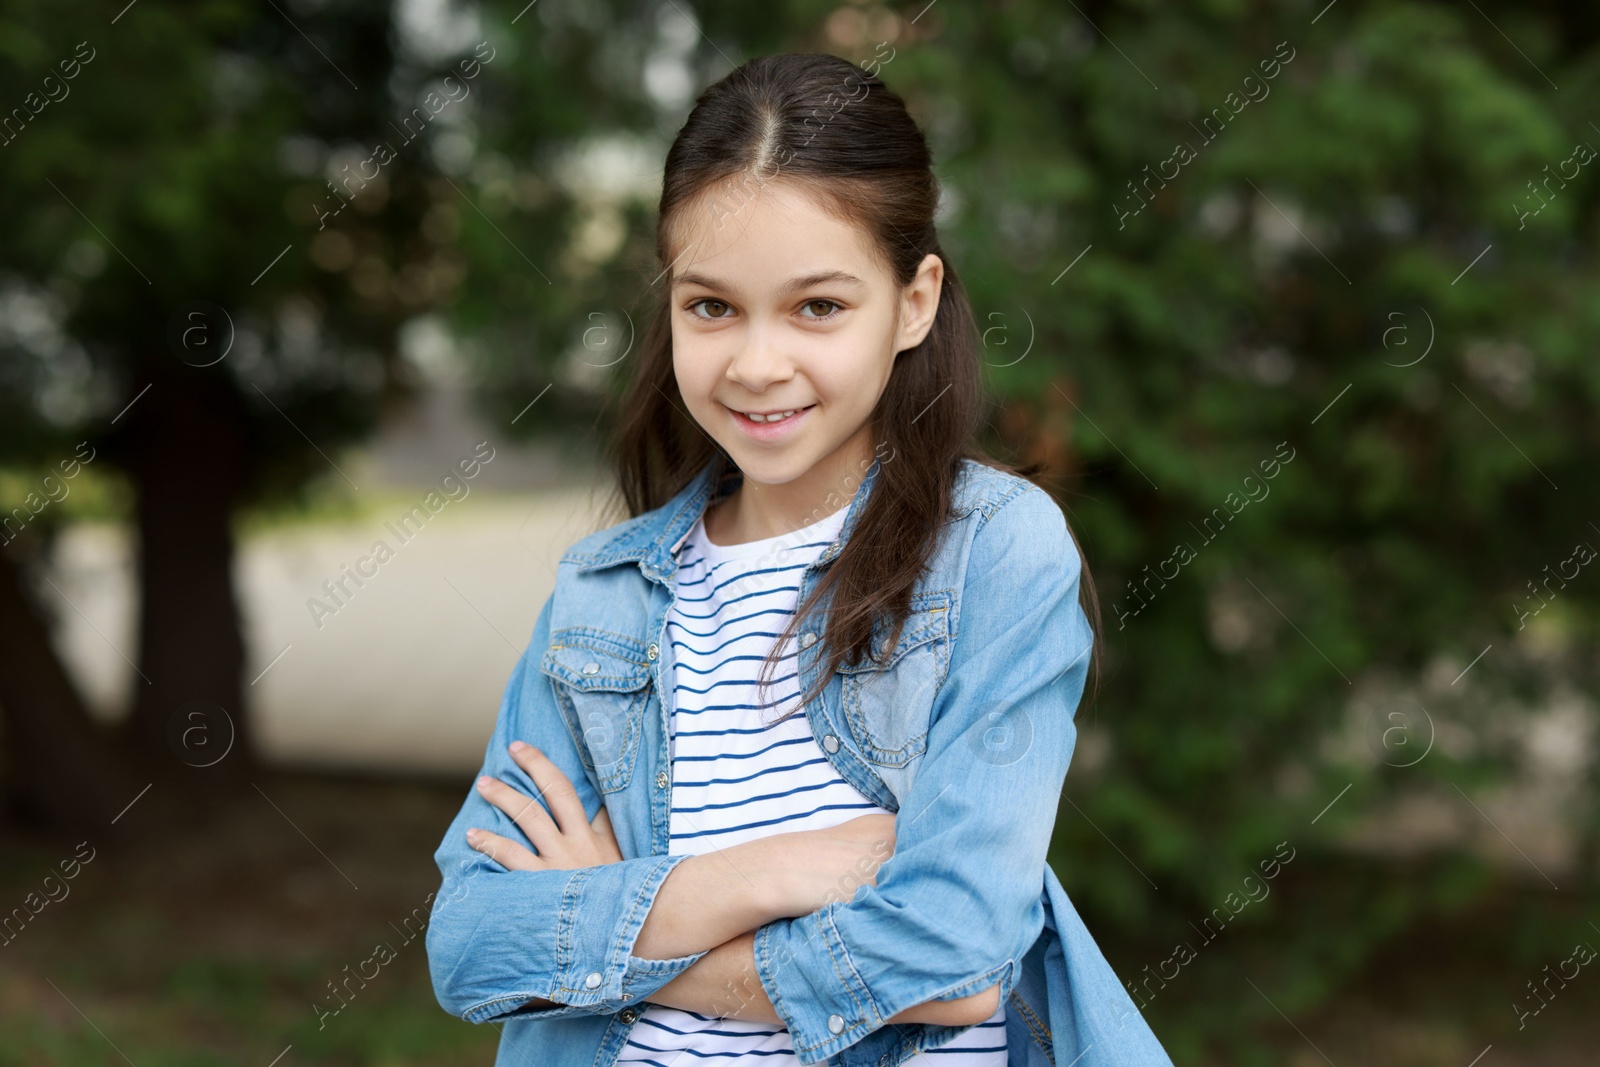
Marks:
<point>554,787</point>
<point>556,824</point>
<point>504,851</point>
<point>525,811</point>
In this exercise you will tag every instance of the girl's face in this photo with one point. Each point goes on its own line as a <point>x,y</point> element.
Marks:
<point>777,306</point>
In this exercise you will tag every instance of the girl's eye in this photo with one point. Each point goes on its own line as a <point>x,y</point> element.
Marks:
<point>828,308</point>
<point>707,300</point>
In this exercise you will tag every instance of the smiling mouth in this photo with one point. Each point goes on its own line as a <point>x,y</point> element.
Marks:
<point>772,417</point>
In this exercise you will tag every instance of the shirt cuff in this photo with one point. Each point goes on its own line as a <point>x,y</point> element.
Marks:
<point>602,910</point>
<point>818,992</point>
<point>815,989</point>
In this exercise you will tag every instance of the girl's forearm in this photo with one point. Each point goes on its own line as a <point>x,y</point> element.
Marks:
<point>715,902</point>
<point>710,898</point>
<point>724,983</point>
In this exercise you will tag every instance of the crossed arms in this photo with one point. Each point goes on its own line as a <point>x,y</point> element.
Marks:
<point>940,926</point>
<point>716,900</point>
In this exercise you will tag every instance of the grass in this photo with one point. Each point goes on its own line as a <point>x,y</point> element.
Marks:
<point>214,943</point>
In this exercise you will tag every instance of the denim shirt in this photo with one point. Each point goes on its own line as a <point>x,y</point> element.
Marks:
<point>964,730</point>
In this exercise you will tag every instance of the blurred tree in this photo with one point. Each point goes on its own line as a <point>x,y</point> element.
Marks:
<point>188,293</point>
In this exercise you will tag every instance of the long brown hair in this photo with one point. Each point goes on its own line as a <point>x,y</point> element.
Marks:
<point>831,129</point>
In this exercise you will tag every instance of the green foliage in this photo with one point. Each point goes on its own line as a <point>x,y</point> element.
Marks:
<point>194,146</point>
<point>1279,291</point>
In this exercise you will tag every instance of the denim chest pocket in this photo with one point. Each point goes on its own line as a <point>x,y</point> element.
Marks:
<point>888,699</point>
<point>602,682</point>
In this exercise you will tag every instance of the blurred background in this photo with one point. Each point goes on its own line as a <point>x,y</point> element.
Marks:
<point>1298,300</point>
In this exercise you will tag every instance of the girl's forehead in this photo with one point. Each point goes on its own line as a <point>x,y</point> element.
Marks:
<point>775,236</point>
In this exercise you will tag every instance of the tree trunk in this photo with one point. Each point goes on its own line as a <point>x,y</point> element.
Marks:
<point>189,469</point>
<point>58,768</point>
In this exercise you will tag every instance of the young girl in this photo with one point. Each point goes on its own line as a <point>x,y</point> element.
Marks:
<point>778,771</point>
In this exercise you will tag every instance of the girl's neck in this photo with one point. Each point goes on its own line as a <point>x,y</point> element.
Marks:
<point>754,511</point>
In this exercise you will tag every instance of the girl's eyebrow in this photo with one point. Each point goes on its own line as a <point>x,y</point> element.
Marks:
<point>795,285</point>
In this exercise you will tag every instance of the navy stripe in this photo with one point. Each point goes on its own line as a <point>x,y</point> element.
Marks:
<point>764,796</point>
<point>744,755</point>
<point>729,622</point>
<point>735,600</point>
<point>718,1033</point>
<point>774,822</point>
<point>736,637</point>
<point>719,733</point>
<point>718,666</point>
<point>748,777</point>
<point>717,1055</point>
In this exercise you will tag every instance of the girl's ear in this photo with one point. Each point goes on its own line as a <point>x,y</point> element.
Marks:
<point>919,303</point>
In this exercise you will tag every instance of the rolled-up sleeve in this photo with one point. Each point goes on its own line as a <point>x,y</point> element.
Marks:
<point>498,938</point>
<point>959,903</point>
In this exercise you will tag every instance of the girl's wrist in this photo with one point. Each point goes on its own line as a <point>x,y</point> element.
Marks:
<point>707,899</point>
<point>775,867</point>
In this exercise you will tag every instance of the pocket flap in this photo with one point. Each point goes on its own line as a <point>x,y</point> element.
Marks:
<point>928,620</point>
<point>591,660</point>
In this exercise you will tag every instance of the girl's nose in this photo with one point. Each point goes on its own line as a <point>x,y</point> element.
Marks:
<point>759,363</point>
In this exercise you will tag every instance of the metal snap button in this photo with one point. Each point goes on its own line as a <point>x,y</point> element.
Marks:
<point>652,650</point>
<point>807,639</point>
<point>835,1024</point>
<point>591,668</point>
<point>661,779</point>
<point>593,981</point>
<point>628,1015</point>
<point>831,743</point>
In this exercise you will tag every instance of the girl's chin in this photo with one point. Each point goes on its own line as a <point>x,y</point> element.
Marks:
<point>761,467</point>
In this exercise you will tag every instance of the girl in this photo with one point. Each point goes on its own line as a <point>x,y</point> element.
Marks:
<point>776,776</point>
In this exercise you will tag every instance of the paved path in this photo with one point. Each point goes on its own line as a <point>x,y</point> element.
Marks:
<point>407,672</point>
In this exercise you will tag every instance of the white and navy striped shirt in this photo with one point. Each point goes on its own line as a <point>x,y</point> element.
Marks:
<point>736,778</point>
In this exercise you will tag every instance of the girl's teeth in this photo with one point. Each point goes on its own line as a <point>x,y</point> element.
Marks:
<point>770,418</point>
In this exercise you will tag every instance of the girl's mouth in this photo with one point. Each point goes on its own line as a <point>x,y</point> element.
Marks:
<point>773,426</point>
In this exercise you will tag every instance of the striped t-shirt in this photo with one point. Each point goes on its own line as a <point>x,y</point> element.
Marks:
<point>736,778</point>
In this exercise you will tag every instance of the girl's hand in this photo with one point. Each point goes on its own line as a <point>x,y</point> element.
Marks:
<point>566,842</point>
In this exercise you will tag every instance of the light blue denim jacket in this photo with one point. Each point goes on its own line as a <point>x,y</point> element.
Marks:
<point>965,732</point>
